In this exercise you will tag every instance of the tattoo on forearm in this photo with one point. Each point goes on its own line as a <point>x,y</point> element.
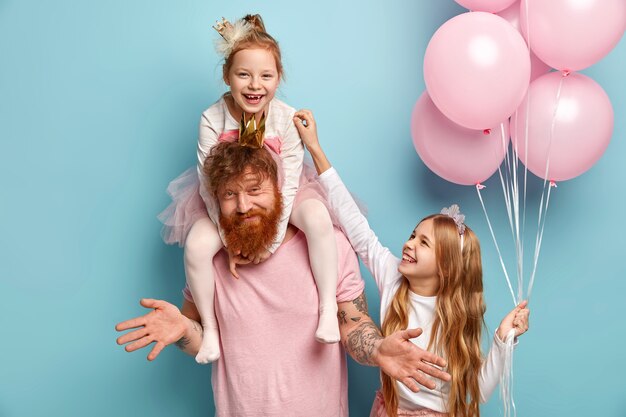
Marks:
<point>361,343</point>
<point>197,327</point>
<point>361,303</point>
<point>342,317</point>
<point>183,342</point>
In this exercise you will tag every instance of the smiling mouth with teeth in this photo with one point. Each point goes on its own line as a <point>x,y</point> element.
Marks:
<point>253,97</point>
<point>408,259</point>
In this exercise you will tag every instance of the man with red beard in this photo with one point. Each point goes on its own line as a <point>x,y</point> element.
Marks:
<point>270,363</point>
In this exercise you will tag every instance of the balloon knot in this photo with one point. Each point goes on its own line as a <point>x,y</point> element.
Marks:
<point>479,186</point>
<point>566,72</point>
<point>487,132</point>
<point>553,184</point>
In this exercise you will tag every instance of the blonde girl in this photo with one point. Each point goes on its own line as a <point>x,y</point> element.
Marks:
<point>436,285</point>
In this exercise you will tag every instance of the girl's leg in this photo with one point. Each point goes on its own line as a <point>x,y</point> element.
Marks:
<point>313,219</point>
<point>203,242</point>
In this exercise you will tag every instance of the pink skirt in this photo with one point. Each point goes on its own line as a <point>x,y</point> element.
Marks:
<point>378,409</point>
<point>187,205</point>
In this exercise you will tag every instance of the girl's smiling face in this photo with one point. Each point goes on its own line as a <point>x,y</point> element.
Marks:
<point>253,80</point>
<point>419,260</point>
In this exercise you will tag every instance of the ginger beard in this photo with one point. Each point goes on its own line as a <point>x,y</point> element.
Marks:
<point>252,237</point>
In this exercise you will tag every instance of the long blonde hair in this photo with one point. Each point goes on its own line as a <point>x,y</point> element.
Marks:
<point>457,327</point>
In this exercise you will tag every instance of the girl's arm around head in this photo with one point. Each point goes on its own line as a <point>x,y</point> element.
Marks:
<point>377,258</point>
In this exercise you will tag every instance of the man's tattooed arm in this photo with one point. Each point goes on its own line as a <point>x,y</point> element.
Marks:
<point>359,334</point>
<point>184,342</point>
<point>192,338</point>
<point>395,354</point>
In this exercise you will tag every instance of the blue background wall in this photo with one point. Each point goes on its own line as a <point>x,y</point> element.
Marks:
<point>99,106</point>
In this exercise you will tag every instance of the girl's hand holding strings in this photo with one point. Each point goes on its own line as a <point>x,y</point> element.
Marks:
<point>517,319</point>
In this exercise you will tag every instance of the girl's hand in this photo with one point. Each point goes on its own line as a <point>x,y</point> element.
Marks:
<point>234,259</point>
<point>237,258</point>
<point>517,319</point>
<point>259,257</point>
<point>305,124</point>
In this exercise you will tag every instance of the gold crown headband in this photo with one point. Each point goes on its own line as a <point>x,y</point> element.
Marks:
<point>249,134</point>
<point>230,34</point>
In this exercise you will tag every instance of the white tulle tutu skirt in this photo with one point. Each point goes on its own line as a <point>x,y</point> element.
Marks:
<point>187,205</point>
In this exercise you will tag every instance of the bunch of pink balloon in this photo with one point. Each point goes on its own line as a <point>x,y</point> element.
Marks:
<point>478,67</point>
<point>477,71</point>
<point>565,123</point>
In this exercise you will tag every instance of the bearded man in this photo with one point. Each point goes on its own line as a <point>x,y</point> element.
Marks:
<point>270,364</point>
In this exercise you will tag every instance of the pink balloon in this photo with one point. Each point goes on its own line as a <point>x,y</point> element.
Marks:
<point>572,34</point>
<point>573,130</point>
<point>477,69</point>
<point>491,6</point>
<point>511,15</point>
<point>537,67</point>
<point>455,153</point>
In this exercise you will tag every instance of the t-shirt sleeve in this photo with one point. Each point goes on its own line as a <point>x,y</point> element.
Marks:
<point>350,284</point>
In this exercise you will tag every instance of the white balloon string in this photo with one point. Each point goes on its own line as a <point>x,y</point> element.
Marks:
<point>542,211</point>
<point>516,231</point>
<point>493,236</point>
<point>514,207</point>
<point>511,191</point>
<point>504,182</point>
<point>532,276</point>
<point>525,170</point>
<point>526,134</point>
<point>506,384</point>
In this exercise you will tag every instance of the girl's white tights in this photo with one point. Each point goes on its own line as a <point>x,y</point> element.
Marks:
<point>313,219</point>
<point>202,244</point>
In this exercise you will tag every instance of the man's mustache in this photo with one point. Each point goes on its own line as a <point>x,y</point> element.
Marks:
<point>240,217</point>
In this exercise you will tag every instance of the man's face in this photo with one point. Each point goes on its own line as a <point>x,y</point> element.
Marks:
<point>250,211</point>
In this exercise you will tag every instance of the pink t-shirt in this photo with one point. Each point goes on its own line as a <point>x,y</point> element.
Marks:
<point>271,364</point>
